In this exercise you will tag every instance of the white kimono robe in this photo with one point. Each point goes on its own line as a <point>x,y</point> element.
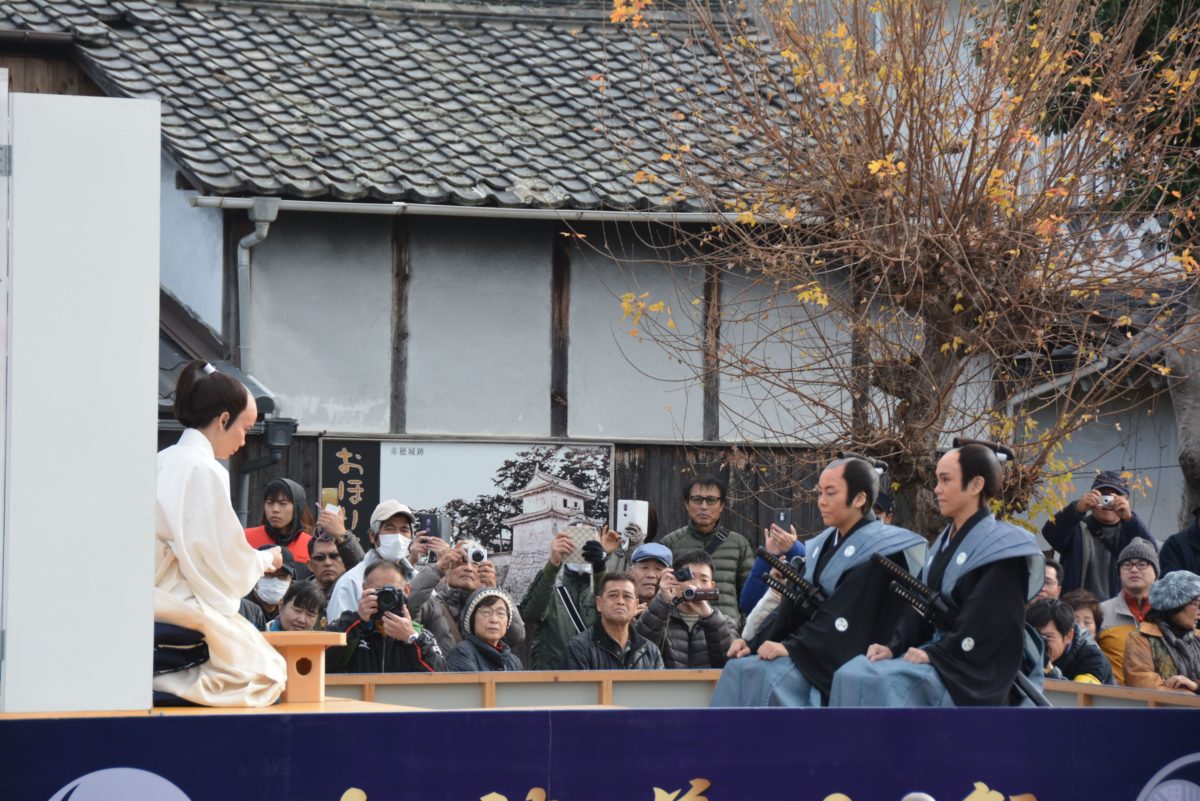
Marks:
<point>203,567</point>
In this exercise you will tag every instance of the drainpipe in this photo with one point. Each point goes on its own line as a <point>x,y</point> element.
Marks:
<point>1021,397</point>
<point>263,212</point>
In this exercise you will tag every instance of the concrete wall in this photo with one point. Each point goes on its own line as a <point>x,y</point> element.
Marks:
<point>479,327</point>
<point>1141,439</point>
<point>621,386</point>
<point>190,250</point>
<point>321,320</point>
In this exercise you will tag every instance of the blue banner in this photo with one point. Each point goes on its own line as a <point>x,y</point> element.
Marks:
<point>609,755</point>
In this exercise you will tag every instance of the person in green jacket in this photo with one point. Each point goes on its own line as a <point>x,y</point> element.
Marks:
<point>731,553</point>
<point>561,603</point>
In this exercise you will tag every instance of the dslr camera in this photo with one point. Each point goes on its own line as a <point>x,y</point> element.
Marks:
<point>389,599</point>
<point>476,553</point>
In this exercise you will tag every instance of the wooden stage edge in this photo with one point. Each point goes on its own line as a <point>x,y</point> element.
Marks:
<point>410,692</point>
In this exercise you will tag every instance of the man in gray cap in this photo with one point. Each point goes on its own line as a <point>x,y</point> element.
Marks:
<point>1138,567</point>
<point>391,536</point>
<point>1090,533</point>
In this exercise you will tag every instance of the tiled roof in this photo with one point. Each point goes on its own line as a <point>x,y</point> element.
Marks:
<point>544,105</point>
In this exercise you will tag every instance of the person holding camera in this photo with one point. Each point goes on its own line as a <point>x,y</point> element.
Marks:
<point>611,643</point>
<point>440,592</point>
<point>561,600</point>
<point>681,620</point>
<point>704,500</point>
<point>1090,533</point>
<point>381,636</point>
<point>391,533</point>
<point>485,620</point>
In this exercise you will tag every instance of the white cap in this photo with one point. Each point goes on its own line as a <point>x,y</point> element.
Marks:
<point>389,509</point>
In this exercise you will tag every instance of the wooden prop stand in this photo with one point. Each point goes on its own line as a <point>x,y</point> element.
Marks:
<point>304,652</point>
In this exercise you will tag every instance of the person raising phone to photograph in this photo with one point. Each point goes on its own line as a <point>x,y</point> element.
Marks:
<point>203,563</point>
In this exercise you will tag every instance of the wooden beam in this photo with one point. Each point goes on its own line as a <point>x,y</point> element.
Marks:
<point>560,329</point>
<point>712,344</point>
<point>401,272</point>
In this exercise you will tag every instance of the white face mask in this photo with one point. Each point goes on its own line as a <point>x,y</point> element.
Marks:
<point>271,590</point>
<point>392,547</point>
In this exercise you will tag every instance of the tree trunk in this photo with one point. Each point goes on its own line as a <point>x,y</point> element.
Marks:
<point>1185,395</point>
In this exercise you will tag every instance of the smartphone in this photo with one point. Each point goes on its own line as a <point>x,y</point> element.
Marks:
<point>783,519</point>
<point>429,523</point>
<point>580,535</point>
<point>629,511</point>
<point>329,496</point>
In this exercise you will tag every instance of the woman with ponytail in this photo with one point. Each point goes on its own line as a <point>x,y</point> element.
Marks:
<point>203,564</point>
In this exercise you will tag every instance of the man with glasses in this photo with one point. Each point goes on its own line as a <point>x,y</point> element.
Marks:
<point>1052,586</point>
<point>328,560</point>
<point>1138,566</point>
<point>732,556</point>
<point>611,643</point>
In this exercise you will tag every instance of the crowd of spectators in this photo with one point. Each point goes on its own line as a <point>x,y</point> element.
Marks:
<point>1112,608</point>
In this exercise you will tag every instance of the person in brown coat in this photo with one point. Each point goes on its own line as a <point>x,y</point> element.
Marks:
<point>1164,652</point>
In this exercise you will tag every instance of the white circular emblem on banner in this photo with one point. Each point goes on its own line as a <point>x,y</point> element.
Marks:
<point>841,624</point>
<point>968,643</point>
<point>962,559</point>
<point>120,783</point>
<point>849,551</point>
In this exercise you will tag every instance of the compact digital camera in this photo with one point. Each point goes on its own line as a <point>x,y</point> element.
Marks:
<point>1106,501</point>
<point>683,574</point>
<point>476,553</point>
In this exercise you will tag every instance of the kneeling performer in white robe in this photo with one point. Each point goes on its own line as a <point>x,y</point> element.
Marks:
<point>203,563</point>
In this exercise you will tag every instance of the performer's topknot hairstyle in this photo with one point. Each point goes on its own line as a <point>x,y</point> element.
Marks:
<point>980,460</point>
<point>860,476</point>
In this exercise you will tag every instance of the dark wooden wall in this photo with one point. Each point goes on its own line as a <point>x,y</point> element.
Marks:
<point>760,479</point>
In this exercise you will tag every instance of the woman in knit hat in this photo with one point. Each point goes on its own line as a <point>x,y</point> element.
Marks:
<point>485,619</point>
<point>1164,653</point>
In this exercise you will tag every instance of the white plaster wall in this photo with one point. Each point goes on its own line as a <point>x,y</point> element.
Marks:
<point>190,250</point>
<point>81,428</point>
<point>321,320</point>
<point>479,327</point>
<point>625,387</point>
<point>1143,440</point>
<point>807,352</point>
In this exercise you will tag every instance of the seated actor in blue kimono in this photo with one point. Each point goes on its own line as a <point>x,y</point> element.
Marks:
<point>803,647</point>
<point>986,571</point>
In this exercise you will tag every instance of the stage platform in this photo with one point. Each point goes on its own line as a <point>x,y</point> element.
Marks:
<point>491,749</point>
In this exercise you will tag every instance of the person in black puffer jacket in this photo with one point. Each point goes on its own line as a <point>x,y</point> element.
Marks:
<point>612,643</point>
<point>690,634</point>
<point>485,618</point>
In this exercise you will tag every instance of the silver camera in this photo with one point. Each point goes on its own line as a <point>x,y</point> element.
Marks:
<point>476,553</point>
<point>1107,500</point>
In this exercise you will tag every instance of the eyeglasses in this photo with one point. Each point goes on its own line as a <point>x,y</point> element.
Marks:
<point>704,500</point>
<point>493,613</point>
<point>1194,604</point>
<point>1136,564</point>
<point>321,557</point>
<point>1049,582</point>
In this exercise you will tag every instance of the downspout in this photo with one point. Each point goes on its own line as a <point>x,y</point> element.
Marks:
<point>262,213</point>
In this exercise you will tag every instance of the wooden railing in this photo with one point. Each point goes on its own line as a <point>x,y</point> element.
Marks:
<point>635,688</point>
